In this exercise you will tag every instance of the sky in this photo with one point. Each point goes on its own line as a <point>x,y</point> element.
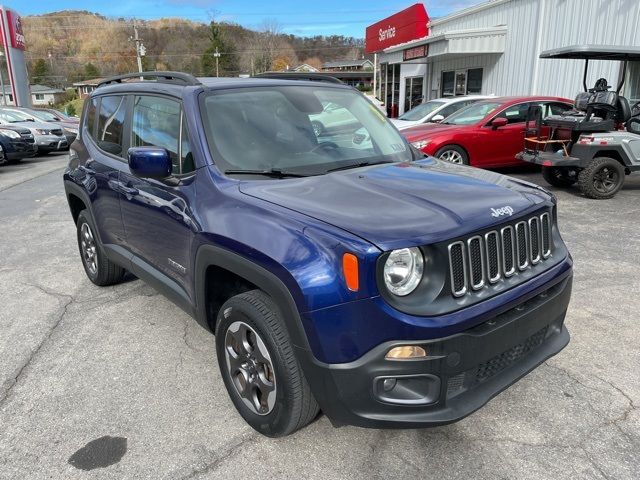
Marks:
<point>304,18</point>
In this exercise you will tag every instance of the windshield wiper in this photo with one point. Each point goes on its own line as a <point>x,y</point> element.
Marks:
<point>271,172</point>
<point>357,165</point>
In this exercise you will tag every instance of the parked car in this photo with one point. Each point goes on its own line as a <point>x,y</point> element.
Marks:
<point>60,116</point>
<point>49,137</point>
<point>434,111</point>
<point>384,288</point>
<point>69,127</point>
<point>17,143</point>
<point>488,133</point>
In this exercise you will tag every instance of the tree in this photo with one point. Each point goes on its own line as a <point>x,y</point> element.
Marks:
<point>40,71</point>
<point>91,71</point>
<point>217,46</point>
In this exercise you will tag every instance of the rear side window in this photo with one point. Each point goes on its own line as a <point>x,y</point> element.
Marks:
<point>90,118</point>
<point>157,123</point>
<point>110,124</point>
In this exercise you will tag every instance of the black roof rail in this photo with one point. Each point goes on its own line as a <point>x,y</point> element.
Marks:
<point>161,77</point>
<point>309,76</point>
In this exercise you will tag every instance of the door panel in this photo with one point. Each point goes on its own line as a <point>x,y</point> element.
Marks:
<point>157,217</point>
<point>101,169</point>
<point>505,142</point>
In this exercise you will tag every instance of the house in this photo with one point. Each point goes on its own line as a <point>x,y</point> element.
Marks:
<point>348,65</point>
<point>85,87</point>
<point>41,95</point>
<point>305,67</point>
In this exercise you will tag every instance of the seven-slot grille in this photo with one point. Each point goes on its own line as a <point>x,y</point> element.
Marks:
<point>482,260</point>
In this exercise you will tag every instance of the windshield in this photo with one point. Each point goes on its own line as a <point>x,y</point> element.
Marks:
<point>421,111</point>
<point>12,116</point>
<point>42,115</point>
<point>303,130</point>
<point>472,114</point>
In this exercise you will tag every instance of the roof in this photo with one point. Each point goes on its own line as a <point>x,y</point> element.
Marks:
<point>346,63</point>
<point>45,89</point>
<point>594,52</point>
<point>91,82</point>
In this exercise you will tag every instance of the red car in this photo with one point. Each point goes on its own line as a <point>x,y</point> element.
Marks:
<point>486,134</point>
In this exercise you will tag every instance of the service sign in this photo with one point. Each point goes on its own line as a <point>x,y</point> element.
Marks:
<point>409,24</point>
<point>16,34</point>
<point>415,52</point>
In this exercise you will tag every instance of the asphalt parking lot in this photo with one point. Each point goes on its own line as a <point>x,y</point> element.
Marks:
<point>124,372</point>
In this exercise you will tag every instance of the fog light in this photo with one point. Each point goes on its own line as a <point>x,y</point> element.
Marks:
<point>406,352</point>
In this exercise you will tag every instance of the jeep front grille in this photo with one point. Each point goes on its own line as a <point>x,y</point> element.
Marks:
<point>483,260</point>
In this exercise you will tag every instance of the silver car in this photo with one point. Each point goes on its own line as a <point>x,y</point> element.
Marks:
<point>49,137</point>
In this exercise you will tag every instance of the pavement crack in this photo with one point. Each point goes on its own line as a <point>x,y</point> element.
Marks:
<point>62,311</point>
<point>222,457</point>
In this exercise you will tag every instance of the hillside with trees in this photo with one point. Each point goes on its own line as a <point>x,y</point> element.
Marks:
<point>70,46</point>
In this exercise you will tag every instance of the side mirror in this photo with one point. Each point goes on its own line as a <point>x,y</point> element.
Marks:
<point>437,118</point>
<point>499,122</point>
<point>149,162</point>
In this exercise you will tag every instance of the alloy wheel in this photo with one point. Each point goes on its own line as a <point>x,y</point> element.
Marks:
<point>250,367</point>
<point>89,249</point>
<point>451,156</point>
<point>605,180</point>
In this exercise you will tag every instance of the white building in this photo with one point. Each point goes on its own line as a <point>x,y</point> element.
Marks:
<point>41,95</point>
<point>493,48</point>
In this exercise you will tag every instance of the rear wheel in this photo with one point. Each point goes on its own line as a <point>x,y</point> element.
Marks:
<point>602,178</point>
<point>258,366</point>
<point>453,154</point>
<point>97,266</point>
<point>560,177</point>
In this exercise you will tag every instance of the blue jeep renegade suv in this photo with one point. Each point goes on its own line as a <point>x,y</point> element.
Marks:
<point>339,268</point>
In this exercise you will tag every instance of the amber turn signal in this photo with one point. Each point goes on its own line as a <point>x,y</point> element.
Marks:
<point>406,352</point>
<point>350,270</point>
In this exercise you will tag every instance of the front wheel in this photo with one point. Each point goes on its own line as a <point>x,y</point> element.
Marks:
<point>602,178</point>
<point>453,154</point>
<point>559,177</point>
<point>259,368</point>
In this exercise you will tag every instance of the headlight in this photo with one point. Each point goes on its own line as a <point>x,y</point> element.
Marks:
<point>420,144</point>
<point>42,131</point>
<point>10,133</point>
<point>71,130</point>
<point>403,270</point>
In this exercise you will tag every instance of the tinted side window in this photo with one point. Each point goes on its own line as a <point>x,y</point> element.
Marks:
<point>110,124</point>
<point>90,117</point>
<point>450,109</point>
<point>557,108</point>
<point>515,113</point>
<point>159,122</point>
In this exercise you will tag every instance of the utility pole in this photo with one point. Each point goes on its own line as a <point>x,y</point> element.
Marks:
<point>217,56</point>
<point>140,48</point>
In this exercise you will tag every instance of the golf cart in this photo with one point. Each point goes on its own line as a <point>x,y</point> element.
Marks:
<point>596,143</point>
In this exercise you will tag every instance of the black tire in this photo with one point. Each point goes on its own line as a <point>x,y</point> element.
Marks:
<point>106,272</point>
<point>453,154</point>
<point>602,178</point>
<point>318,127</point>
<point>559,177</point>
<point>293,403</point>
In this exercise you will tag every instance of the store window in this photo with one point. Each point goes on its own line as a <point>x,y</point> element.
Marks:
<point>413,92</point>
<point>448,82</point>
<point>461,82</point>
<point>474,81</point>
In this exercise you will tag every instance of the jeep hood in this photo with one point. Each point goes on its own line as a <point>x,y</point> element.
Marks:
<point>404,204</point>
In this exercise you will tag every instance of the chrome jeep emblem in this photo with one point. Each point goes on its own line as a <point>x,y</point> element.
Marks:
<point>499,212</point>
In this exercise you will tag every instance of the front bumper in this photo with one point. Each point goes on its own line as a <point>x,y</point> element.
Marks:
<point>51,143</point>
<point>17,150</point>
<point>461,373</point>
<point>548,159</point>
